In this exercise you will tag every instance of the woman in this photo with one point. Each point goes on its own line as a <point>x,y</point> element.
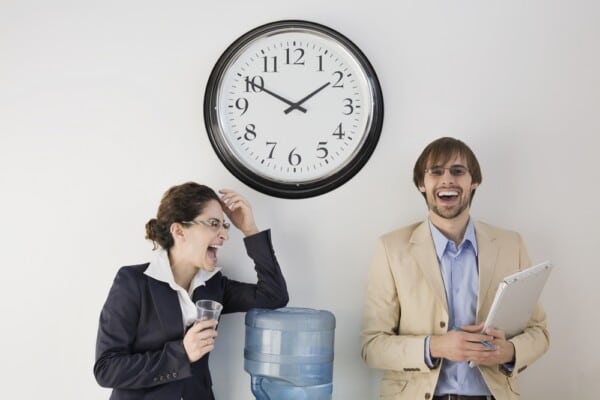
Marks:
<point>149,345</point>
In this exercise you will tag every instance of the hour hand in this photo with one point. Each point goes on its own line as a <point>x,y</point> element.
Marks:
<point>296,105</point>
<point>286,101</point>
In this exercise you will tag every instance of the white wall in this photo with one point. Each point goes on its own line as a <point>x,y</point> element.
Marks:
<point>101,111</point>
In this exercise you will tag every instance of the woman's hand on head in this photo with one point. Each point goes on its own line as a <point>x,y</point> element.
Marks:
<point>200,339</point>
<point>239,211</point>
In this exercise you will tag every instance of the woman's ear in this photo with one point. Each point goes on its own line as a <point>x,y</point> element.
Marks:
<point>177,231</point>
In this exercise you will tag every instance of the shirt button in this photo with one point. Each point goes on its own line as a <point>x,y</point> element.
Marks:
<point>427,395</point>
<point>442,324</point>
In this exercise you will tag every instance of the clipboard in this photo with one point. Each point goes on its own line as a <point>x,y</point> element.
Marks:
<point>515,299</point>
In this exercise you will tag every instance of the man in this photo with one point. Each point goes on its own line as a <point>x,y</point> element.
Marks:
<point>430,287</point>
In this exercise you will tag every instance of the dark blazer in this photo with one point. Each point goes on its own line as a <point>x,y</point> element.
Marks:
<point>139,348</point>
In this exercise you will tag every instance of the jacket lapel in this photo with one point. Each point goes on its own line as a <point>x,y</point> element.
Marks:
<point>424,254</point>
<point>487,254</point>
<point>167,307</point>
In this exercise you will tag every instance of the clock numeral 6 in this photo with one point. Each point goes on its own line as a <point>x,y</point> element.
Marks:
<point>294,158</point>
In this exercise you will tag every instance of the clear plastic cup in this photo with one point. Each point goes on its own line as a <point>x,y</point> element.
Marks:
<point>208,310</point>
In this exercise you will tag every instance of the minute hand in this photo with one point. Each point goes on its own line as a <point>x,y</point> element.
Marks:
<point>286,101</point>
<point>296,105</point>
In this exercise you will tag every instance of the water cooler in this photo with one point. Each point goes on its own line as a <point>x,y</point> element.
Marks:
<point>289,353</point>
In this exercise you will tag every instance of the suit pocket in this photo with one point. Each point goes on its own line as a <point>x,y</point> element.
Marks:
<point>391,388</point>
<point>513,384</point>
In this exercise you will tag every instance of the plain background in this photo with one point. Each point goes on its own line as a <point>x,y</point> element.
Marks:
<point>101,111</point>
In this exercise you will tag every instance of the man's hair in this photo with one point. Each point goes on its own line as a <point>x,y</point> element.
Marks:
<point>439,152</point>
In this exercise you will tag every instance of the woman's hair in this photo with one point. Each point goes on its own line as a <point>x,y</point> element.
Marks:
<point>439,152</point>
<point>180,203</point>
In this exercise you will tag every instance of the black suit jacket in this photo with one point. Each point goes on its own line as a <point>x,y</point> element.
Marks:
<point>139,348</point>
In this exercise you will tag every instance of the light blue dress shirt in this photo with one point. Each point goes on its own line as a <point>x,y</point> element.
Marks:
<point>460,273</point>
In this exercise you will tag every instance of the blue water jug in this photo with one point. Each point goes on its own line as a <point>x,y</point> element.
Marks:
<point>289,353</point>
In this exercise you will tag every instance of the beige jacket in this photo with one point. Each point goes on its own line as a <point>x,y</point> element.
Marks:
<point>406,301</point>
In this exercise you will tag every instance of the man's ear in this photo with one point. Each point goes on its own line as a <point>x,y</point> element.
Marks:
<point>474,186</point>
<point>421,188</point>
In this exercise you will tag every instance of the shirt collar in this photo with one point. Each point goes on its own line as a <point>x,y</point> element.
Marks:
<point>440,241</point>
<point>160,269</point>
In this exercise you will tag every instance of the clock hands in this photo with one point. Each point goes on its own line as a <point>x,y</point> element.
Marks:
<point>286,101</point>
<point>292,105</point>
<point>296,105</point>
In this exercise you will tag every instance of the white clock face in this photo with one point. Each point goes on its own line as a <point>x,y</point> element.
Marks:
<point>293,105</point>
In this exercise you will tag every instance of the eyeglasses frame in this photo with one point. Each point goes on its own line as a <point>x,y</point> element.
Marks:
<point>460,167</point>
<point>222,224</point>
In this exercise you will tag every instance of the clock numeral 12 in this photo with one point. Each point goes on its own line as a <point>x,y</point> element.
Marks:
<point>299,59</point>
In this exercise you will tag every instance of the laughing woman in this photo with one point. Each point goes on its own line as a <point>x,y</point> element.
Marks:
<point>149,345</point>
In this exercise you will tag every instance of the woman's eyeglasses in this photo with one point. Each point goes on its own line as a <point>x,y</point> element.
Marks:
<point>213,223</point>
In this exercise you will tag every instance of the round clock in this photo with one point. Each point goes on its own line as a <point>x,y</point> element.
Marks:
<point>293,109</point>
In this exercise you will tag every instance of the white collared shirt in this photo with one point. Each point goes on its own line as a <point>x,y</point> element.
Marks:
<point>160,269</point>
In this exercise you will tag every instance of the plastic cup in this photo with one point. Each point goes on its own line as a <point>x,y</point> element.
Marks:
<point>208,310</point>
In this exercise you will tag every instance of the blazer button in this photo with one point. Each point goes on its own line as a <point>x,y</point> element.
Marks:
<point>442,324</point>
<point>427,395</point>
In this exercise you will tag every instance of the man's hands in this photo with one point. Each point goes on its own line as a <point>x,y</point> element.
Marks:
<point>465,345</point>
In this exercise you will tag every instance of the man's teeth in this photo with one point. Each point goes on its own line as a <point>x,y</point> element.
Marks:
<point>448,193</point>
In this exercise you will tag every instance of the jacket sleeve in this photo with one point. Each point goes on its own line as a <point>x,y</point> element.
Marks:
<point>117,364</point>
<point>270,291</point>
<point>383,345</point>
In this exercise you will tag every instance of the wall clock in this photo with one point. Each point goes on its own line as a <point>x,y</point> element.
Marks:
<point>293,109</point>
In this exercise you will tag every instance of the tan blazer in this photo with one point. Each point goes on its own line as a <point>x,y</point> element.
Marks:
<point>406,301</point>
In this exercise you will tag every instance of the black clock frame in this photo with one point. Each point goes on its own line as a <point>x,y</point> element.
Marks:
<point>273,187</point>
